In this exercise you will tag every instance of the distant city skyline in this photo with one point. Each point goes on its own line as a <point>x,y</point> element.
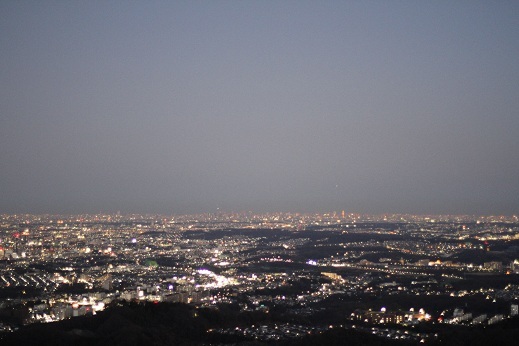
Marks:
<point>294,106</point>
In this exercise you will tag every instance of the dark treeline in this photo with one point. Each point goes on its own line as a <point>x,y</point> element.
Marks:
<point>180,324</point>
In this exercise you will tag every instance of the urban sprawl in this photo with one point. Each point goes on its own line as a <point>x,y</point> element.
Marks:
<point>300,273</point>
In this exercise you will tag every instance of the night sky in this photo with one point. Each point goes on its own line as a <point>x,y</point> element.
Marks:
<point>303,106</point>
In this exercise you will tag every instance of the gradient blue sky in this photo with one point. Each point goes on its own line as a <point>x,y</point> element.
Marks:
<point>308,106</point>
